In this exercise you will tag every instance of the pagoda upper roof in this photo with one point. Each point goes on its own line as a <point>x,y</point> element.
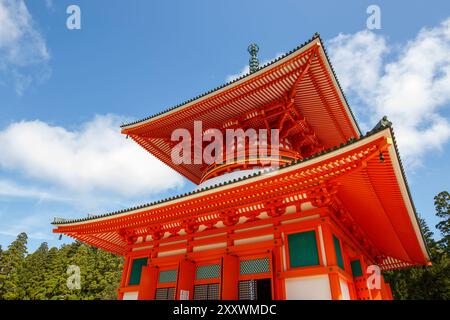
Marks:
<point>370,182</point>
<point>305,72</point>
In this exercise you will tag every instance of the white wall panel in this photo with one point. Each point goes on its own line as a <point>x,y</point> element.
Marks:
<point>344,289</point>
<point>130,295</point>
<point>308,288</point>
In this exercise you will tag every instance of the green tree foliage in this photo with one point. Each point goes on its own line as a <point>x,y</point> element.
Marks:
<point>43,275</point>
<point>442,204</point>
<point>10,267</point>
<point>427,282</point>
<point>31,275</point>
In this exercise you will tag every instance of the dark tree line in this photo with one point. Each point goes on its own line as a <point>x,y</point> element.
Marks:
<point>42,274</point>
<point>431,282</point>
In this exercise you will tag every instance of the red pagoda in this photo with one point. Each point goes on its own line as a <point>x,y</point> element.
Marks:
<point>318,223</point>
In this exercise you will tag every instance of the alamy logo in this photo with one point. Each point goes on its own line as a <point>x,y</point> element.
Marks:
<point>74,280</point>
<point>73,21</point>
<point>213,146</point>
<point>374,20</point>
<point>373,277</point>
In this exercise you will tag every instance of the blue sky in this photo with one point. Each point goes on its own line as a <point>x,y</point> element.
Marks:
<point>63,93</point>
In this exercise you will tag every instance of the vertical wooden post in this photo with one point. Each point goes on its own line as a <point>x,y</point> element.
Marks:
<point>230,277</point>
<point>123,281</point>
<point>352,290</point>
<point>362,291</point>
<point>384,293</point>
<point>147,285</point>
<point>388,292</point>
<point>378,294</point>
<point>335,286</point>
<point>278,282</point>
<point>279,291</point>
<point>186,277</point>
<point>330,253</point>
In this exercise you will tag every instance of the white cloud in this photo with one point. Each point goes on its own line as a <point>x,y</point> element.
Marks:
<point>246,69</point>
<point>30,225</point>
<point>13,190</point>
<point>21,46</point>
<point>408,83</point>
<point>94,159</point>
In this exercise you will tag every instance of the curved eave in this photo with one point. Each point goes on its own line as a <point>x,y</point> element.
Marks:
<point>214,188</point>
<point>399,235</point>
<point>318,97</point>
<point>248,77</point>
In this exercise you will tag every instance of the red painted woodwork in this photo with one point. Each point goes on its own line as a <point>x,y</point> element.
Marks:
<point>149,281</point>
<point>331,180</point>
<point>298,89</point>
<point>335,286</point>
<point>230,277</point>
<point>186,276</point>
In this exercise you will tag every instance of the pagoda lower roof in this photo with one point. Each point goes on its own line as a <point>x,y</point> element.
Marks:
<point>369,180</point>
<point>304,74</point>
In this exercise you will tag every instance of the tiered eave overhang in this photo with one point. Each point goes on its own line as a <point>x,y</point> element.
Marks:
<point>304,75</point>
<point>373,191</point>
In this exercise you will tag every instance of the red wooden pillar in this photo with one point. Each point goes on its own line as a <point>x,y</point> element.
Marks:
<point>185,283</point>
<point>230,277</point>
<point>388,292</point>
<point>362,290</point>
<point>335,286</point>
<point>381,293</point>
<point>123,281</point>
<point>352,290</point>
<point>332,265</point>
<point>147,285</point>
<point>384,293</point>
<point>278,282</point>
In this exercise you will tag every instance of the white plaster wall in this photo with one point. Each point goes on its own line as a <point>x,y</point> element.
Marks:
<point>291,209</point>
<point>308,288</point>
<point>253,239</point>
<point>130,295</point>
<point>305,206</point>
<point>344,289</point>
<point>171,252</point>
<point>209,246</point>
